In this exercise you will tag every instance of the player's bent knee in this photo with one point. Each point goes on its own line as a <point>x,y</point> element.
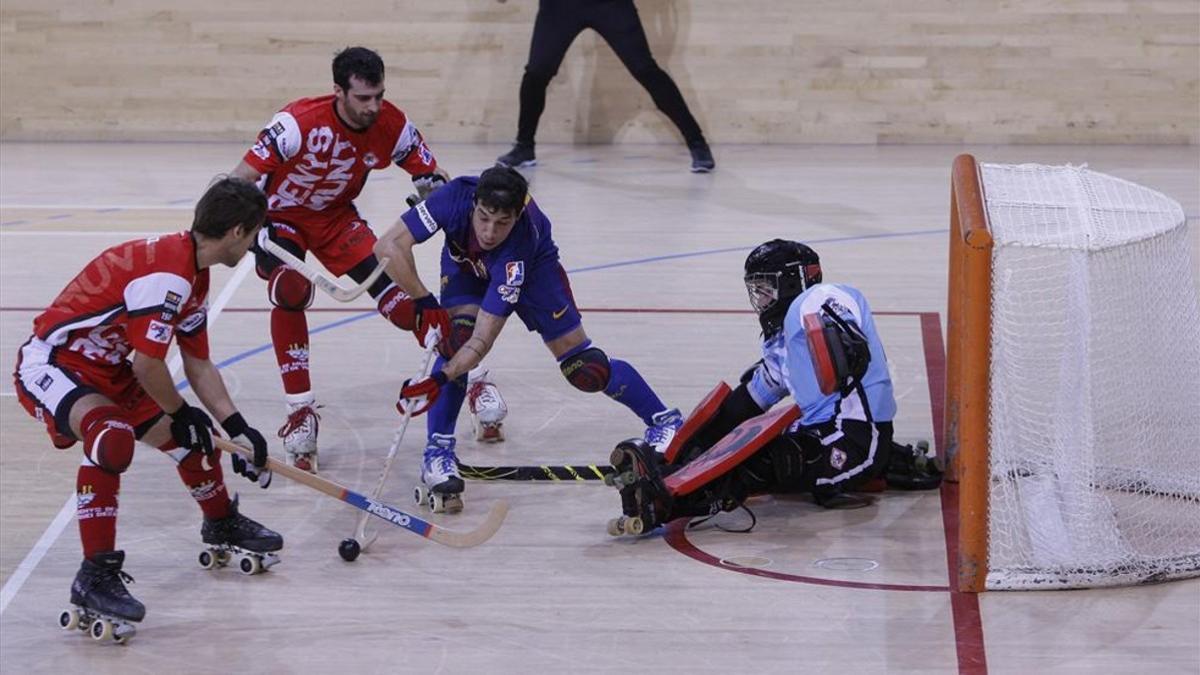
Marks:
<point>587,371</point>
<point>108,440</point>
<point>288,289</point>
<point>462,327</point>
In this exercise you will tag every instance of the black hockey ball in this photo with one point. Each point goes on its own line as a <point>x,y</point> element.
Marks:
<point>349,550</point>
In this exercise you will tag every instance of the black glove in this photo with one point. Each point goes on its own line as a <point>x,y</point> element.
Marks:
<point>248,437</point>
<point>191,428</point>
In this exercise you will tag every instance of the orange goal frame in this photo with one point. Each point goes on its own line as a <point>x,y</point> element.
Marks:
<point>968,352</point>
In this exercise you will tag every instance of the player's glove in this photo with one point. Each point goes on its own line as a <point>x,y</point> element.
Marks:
<point>416,396</point>
<point>248,437</point>
<point>191,428</point>
<point>431,315</point>
<point>425,183</point>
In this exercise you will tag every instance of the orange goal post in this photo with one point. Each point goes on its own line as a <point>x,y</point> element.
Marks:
<point>1072,419</point>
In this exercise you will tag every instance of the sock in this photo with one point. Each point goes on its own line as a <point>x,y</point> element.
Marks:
<point>626,386</point>
<point>204,479</point>
<point>96,492</point>
<point>443,416</point>
<point>289,335</point>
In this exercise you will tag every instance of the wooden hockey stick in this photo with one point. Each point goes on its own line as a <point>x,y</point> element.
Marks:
<point>332,288</point>
<point>544,472</point>
<point>398,517</point>
<point>360,529</point>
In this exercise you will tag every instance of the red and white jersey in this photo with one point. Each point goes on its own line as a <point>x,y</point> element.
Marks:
<point>314,163</point>
<point>133,296</point>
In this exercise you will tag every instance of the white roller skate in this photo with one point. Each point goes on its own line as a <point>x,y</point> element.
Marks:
<point>101,605</point>
<point>299,432</point>
<point>441,485</point>
<point>487,406</point>
<point>660,434</point>
<point>236,536</point>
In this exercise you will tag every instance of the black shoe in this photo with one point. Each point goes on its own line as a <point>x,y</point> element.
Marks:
<point>520,156</point>
<point>100,586</point>
<point>240,531</point>
<point>702,159</point>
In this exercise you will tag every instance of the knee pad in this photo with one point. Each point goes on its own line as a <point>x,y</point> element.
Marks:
<point>398,307</point>
<point>107,439</point>
<point>462,326</point>
<point>288,289</point>
<point>587,371</point>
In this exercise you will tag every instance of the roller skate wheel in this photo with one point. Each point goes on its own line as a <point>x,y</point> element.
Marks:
<point>617,457</point>
<point>615,527</point>
<point>249,564</point>
<point>69,619</point>
<point>437,503</point>
<point>101,630</point>
<point>207,560</point>
<point>610,479</point>
<point>634,525</point>
<point>421,495</point>
<point>123,632</point>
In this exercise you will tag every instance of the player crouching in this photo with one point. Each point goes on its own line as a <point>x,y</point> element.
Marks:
<point>820,346</point>
<point>93,372</point>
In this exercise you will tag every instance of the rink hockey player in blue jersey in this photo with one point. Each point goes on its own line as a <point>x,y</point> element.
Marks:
<point>820,346</point>
<point>498,258</point>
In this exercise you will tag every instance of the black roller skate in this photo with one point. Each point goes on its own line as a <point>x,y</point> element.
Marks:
<point>913,468</point>
<point>102,605</point>
<point>238,536</point>
<point>645,501</point>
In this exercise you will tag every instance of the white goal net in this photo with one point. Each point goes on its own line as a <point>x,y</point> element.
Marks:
<point>1095,382</point>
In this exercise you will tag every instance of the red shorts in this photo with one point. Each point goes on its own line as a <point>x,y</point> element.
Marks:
<point>340,240</point>
<point>49,381</point>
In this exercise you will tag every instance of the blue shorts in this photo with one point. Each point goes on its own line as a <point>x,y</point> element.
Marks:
<point>546,304</point>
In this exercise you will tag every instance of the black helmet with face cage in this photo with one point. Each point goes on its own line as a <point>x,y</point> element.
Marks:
<point>776,272</point>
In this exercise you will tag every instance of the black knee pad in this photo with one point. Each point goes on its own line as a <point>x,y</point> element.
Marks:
<point>588,371</point>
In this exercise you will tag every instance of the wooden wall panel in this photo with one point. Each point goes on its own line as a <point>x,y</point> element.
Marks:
<point>757,71</point>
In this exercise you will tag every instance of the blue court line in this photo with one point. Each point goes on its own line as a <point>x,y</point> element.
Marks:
<point>13,222</point>
<point>359,317</point>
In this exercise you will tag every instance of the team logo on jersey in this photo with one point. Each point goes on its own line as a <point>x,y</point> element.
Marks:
<point>509,294</point>
<point>45,381</point>
<point>837,458</point>
<point>514,272</point>
<point>426,218</point>
<point>159,332</point>
<point>172,301</point>
<point>370,159</point>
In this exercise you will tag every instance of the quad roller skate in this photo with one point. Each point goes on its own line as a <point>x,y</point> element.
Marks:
<point>101,605</point>
<point>299,433</point>
<point>238,537</point>
<point>488,409</point>
<point>644,498</point>
<point>441,485</point>
<point>913,467</point>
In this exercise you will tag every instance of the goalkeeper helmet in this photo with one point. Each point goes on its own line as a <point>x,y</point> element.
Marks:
<point>777,272</point>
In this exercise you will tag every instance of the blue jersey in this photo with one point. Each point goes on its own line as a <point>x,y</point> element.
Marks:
<point>800,376</point>
<point>528,250</point>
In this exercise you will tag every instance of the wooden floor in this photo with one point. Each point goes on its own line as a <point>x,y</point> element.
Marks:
<point>655,256</point>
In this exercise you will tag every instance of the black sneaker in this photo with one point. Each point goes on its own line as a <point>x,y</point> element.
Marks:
<point>520,156</point>
<point>702,159</point>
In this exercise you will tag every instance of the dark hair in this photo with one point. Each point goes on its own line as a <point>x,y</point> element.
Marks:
<point>502,189</point>
<point>357,62</point>
<point>227,203</point>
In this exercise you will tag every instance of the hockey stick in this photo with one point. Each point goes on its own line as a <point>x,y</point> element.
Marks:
<point>332,288</point>
<point>544,472</point>
<point>395,516</point>
<point>360,529</point>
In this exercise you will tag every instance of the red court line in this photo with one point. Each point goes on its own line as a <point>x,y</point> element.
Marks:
<point>968,622</point>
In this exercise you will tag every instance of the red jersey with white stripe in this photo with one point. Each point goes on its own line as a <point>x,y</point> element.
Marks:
<point>133,296</point>
<point>316,165</point>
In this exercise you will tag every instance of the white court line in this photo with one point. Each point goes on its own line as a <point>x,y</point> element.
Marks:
<point>8,393</point>
<point>81,233</point>
<point>101,207</point>
<point>67,513</point>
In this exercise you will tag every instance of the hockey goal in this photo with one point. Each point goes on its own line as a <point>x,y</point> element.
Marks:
<point>1073,379</point>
